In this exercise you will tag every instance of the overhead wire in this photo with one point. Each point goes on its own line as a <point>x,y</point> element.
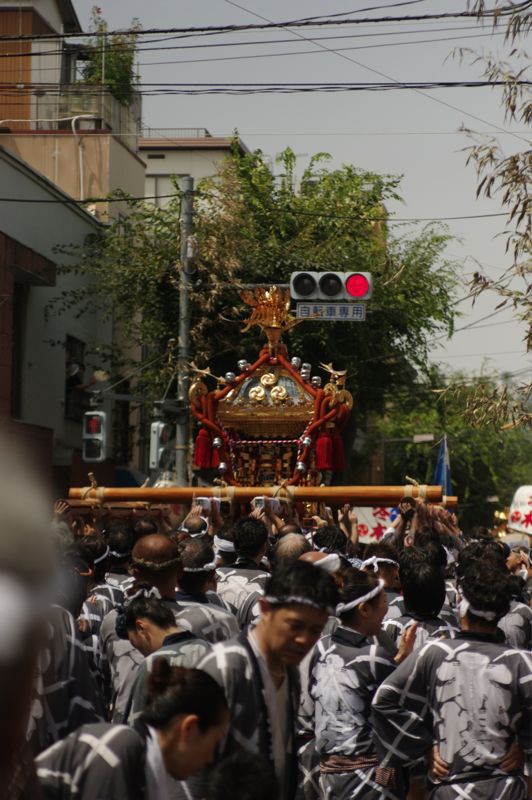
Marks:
<point>494,13</point>
<point>138,49</point>
<point>383,74</point>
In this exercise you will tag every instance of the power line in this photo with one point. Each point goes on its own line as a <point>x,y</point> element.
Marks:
<point>127,199</point>
<point>313,52</point>
<point>159,89</point>
<point>212,46</point>
<point>495,13</point>
<point>383,74</point>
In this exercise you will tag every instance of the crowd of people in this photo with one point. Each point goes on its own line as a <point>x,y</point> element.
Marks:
<point>258,655</point>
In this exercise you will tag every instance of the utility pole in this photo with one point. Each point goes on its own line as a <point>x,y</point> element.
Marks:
<point>183,341</point>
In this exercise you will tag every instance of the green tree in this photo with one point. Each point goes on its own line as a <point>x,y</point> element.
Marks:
<point>484,461</point>
<point>252,227</point>
<point>508,176</point>
<point>111,59</point>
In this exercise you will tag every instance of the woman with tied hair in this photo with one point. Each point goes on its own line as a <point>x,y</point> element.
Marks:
<point>347,667</point>
<point>466,703</point>
<point>184,721</point>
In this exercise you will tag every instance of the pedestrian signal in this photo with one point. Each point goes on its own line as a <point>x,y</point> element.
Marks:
<point>94,436</point>
<point>331,286</point>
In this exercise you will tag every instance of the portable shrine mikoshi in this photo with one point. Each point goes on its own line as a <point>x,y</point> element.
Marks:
<point>273,422</point>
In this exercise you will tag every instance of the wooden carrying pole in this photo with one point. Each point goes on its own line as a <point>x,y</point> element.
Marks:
<point>355,495</point>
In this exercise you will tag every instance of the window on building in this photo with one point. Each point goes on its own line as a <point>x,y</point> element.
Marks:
<point>76,381</point>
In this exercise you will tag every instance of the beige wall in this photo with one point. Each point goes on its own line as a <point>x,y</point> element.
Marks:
<point>107,164</point>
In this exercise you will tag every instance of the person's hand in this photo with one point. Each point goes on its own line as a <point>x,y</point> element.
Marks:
<point>320,523</point>
<point>328,515</point>
<point>438,768</point>
<point>514,758</point>
<point>216,518</point>
<point>61,508</point>
<point>352,517</point>
<point>195,511</point>
<point>406,643</point>
<point>258,513</point>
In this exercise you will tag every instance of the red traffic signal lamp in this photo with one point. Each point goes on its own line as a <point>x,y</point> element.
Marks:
<point>94,436</point>
<point>331,286</point>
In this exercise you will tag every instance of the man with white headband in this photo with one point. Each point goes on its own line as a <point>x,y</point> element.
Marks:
<point>259,669</point>
<point>203,612</point>
<point>347,666</point>
<point>241,584</point>
<point>380,559</point>
<point>464,703</point>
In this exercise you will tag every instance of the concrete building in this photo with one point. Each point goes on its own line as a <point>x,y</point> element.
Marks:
<point>40,403</point>
<point>77,135</point>
<point>174,153</point>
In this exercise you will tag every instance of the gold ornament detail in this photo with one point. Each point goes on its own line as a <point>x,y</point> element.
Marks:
<point>278,394</point>
<point>338,395</point>
<point>257,394</point>
<point>268,379</point>
<point>271,312</point>
<point>198,389</point>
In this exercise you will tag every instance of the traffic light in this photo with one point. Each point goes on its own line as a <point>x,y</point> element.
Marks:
<point>94,436</point>
<point>331,286</point>
<point>160,436</point>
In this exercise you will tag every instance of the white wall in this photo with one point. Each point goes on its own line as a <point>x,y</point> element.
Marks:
<point>196,163</point>
<point>42,227</point>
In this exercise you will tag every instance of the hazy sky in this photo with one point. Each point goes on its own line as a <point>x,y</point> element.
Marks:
<point>399,132</point>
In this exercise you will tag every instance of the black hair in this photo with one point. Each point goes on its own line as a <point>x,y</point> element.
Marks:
<point>144,526</point>
<point>486,550</point>
<point>356,583</point>
<point>194,554</point>
<point>121,539</point>
<point>250,535</point>
<point>175,690</point>
<point>331,539</point>
<point>301,579</point>
<point>422,581</point>
<point>381,550</point>
<point>92,548</point>
<point>243,776</point>
<point>480,532</point>
<point>487,588</point>
<point>151,608</point>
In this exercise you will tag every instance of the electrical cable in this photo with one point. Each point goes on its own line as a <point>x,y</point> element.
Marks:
<point>383,74</point>
<point>491,13</point>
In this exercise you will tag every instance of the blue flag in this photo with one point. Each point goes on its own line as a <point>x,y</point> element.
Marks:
<point>442,472</point>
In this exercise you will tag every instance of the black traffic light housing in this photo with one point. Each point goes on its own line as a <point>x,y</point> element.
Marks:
<point>94,436</point>
<point>331,286</point>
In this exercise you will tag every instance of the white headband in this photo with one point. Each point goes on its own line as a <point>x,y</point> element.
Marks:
<point>205,568</point>
<point>289,599</point>
<point>341,608</point>
<point>103,556</point>
<point>119,556</point>
<point>143,592</point>
<point>330,563</point>
<point>224,545</point>
<point>374,562</point>
<point>465,607</point>
<point>203,531</point>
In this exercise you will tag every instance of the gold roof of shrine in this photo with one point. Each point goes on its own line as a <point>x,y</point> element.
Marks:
<point>269,403</point>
